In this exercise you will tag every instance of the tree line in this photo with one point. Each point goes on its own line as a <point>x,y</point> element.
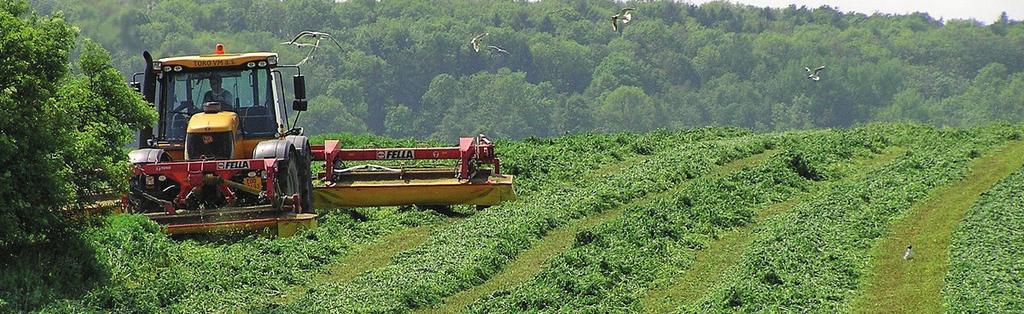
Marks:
<point>406,67</point>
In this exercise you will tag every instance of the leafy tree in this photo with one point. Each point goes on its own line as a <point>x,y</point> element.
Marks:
<point>627,108</point>
<point>329,115</point>
<point>60,134</point>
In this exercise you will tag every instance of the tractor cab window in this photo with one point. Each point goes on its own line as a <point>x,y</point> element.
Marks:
<point>245,92</point>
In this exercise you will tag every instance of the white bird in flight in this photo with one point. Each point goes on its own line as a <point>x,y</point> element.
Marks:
<point>316,37</point>
<point>498,50</point>
<point>476,41</point>
<point>624,16</point>
<point>813,75</point>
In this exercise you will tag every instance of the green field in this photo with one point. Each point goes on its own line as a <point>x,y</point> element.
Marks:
<point>703,220</point>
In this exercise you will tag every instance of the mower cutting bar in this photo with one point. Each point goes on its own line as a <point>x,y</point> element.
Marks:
<point>478,150</point>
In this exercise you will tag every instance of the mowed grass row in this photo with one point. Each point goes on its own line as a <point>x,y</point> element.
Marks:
<point>147,271</point>
<point>986,257</point>
<point>468,254</point>
<point>532,261</point>
<point>915,285</point>
<point>610,266</point>
<point>812,258</point>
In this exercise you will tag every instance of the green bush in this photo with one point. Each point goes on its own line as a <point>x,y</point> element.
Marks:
<point>62,134</point>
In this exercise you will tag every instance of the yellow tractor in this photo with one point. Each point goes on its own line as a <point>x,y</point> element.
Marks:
<point>224,155</point>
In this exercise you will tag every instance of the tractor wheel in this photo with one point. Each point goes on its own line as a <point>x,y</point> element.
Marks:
<point>301,144</point>
<point>290,177</point>
<point>137,202</point>
<point>293,172</point>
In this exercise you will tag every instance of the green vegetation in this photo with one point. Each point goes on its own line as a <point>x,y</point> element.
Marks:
<point>62,126</point>
<point>60,132</point>
<point>985,255</point>
<point>813,257</point>
<point>406,69</point>
<point>609,264</point>
<point>527,264</point>
<point>603,219</point>
<point>457,258</point>
<point>915,286</point>
<point>149,271</point>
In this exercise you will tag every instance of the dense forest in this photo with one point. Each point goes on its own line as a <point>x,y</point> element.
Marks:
<point>406,68</point>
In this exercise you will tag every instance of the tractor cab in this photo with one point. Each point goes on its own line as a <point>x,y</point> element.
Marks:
<point>207,101</point>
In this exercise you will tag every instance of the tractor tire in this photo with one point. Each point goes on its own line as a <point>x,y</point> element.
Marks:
<point>301,144</point>
<point>293,170</point>
<point>137,202</point>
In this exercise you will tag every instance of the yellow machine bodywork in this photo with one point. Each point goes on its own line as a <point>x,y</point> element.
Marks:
<point>225,121</point>
<point>430,186</point>
<point>218,60</point>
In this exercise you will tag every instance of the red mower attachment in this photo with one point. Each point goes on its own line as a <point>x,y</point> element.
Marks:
<point>272,189</point>
<point>469,182</point>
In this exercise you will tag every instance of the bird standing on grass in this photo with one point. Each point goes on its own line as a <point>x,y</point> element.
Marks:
<point>624,16</point>
<point>908,254</point>
<point>476,42</point>
<point>813,75</point>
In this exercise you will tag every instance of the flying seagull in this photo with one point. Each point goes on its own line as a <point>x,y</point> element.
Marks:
<point>813,75</point>
<point>625,16</point>
<point>475,42</point>
<point>313,36</point>
<point>497,50</point>
<point>909,253</point>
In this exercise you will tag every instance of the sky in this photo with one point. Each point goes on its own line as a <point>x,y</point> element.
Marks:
<point>982,10</point>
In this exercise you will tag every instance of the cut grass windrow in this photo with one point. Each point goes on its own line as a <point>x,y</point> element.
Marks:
<point>365,257</point>
<point>529,263</point>
<point>915,285</point>
<point>610,263</point>
<point>986,272</point>
<point>722,254</point>
<point>454,259</point>
<point>625,148</point>
<point>812,258</point>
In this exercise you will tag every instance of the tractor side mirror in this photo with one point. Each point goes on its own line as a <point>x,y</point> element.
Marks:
<point>135,83</point>
<point>299,84</point>
<point>299,105</point>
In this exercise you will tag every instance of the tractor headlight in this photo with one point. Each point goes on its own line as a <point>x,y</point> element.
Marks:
<point>177,68</point>
<point>262,64</point>
<point>156,65</point>
<point>251,64</point>
<point>271,60</point>
<point>167,69</point>
<point>161,178</point>
<point>149,180</point>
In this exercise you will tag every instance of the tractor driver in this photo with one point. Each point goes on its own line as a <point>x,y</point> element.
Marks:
<point>218,94</point>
